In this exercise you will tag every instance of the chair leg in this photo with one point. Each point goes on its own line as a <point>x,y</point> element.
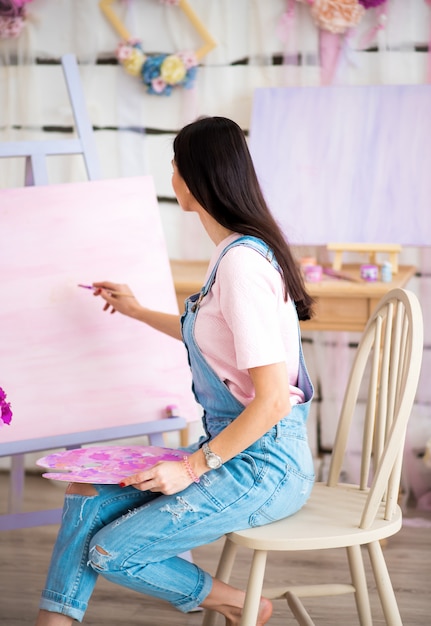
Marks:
<point>223,573</point>
<point>254,588</point>
<point>227,559</point>
<point>298,610</point>
<point>357,572</point>
<point>210,618</point>
<point>384,585</point>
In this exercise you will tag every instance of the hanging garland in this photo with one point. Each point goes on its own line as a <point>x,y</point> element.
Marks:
<point>160,73</point>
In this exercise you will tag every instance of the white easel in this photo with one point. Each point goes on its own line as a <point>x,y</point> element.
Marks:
<point>36,153</point>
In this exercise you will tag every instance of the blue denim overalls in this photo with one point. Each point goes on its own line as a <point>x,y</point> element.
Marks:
<point>141,533</point>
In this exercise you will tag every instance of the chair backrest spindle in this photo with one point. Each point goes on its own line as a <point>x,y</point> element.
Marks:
<point>393,335</point>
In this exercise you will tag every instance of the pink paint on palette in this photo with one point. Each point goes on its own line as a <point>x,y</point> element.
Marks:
<point>105,464</point>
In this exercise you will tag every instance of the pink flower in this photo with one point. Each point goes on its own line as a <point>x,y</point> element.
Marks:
<point>336,15</point>
<point>12,8</point>
<point>370,4</point>
<point>6,413</point>
<point>5,410</point>
<point>188,57</point>
<point>158,85</point>
<point>10,27</point>
<point>123,51</point>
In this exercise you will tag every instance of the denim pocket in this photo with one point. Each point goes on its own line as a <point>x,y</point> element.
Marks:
<point>287,498</point>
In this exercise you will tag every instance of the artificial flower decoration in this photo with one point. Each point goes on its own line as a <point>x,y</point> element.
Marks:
<point>5,410</point>
<point>337,16</point>
<point>371,4</point>
<point>12,18</point>
<point>160,73</point>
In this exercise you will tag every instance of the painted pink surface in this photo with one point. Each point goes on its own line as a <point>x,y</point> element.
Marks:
<point>105,464</point>
<point>66,365</point>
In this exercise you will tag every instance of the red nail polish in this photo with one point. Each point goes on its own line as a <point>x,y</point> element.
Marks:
<point>122,484</point>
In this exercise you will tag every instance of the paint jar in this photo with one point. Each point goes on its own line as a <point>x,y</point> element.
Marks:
<point>386,272</point>
<point>313,273</point>
<point>172,410</point>
<point>369,273</point>
<point>307,260</point>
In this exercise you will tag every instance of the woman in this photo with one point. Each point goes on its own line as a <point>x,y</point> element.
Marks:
<point>254,464</point>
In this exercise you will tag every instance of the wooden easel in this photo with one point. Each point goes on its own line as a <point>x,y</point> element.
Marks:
<point>36,173</point>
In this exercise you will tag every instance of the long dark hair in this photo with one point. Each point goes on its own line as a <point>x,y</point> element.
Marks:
<point>213,159</point>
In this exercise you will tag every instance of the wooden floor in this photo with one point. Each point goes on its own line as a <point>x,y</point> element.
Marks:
<point>24,557</point>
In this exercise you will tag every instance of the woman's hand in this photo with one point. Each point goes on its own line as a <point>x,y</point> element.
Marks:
<point>167,477</point>
<point>120,298</point>
<point>117,298</point>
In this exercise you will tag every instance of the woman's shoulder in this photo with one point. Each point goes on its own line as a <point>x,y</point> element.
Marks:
<point>244,267</point>
<point>246,255</point>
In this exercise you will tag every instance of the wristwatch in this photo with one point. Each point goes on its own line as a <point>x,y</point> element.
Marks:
<point>212,460</point>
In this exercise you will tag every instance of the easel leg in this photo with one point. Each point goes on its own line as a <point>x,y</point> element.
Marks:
<point>16,486</point>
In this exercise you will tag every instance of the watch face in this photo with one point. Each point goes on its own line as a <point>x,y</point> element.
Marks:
<point>213,461</point>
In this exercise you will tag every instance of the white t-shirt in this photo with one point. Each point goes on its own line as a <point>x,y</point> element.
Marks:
<point>244,322</point>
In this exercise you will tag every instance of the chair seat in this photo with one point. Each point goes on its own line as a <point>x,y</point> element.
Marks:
<point>330,519</point>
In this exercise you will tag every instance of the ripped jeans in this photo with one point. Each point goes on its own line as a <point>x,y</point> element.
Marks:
<point>133,538</point>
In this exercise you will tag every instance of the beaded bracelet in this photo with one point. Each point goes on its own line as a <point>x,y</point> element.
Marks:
<point>190,471</point>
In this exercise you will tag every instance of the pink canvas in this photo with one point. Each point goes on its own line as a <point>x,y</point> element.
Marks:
<point>66,365</point>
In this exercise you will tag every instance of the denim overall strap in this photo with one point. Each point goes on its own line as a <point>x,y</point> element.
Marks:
<point>246,240</point>
<point>219,404</point>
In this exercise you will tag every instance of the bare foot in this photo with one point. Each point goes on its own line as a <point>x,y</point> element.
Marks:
<point>229,601</point>
<point>265,612</point>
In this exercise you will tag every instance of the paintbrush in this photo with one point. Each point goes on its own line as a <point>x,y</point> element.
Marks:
<point>340,275</point>
<point>112,293</point>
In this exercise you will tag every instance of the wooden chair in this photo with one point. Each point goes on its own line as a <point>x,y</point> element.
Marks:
<point>337,515</point>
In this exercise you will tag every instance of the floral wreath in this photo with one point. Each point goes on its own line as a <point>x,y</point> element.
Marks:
<point>159,72</point>
<point>5,410</point>
<point>12,18</point>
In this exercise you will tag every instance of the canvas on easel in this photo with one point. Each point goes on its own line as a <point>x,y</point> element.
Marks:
<point>67,366</point>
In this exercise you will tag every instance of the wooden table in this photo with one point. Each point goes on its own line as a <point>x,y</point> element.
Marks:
<point>340,304</point>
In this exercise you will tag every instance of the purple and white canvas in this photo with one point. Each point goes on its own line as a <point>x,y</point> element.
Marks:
<point>66,365</point>
<point>346,164</point>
